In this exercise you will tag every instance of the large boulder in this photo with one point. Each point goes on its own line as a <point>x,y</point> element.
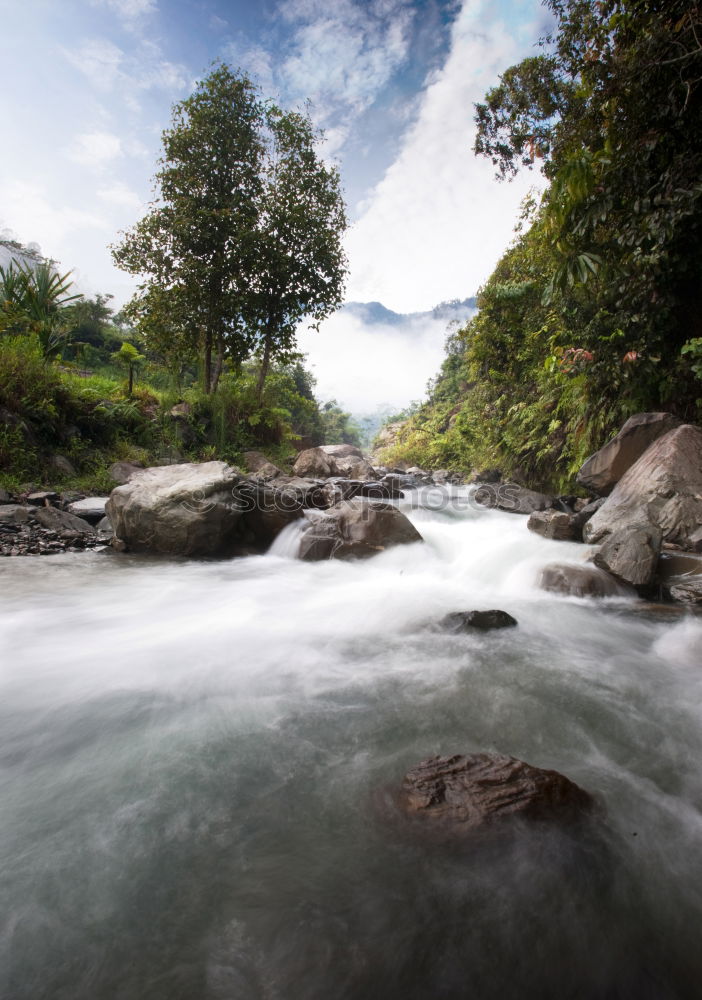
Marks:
<point>62,521</point>
<point>15,513</point>
<point>206,509</point>
<point>122,472</point>
<point>355,529</point>
<point>662,489</point>
<point>355,467</point>
<point>91,509</point>
<point>603,470</point>
<point>463,793</point>
<point>581,581</point>
<point>341,450</point>
<point>556,524</point>
<point>511,498</point>
<point>631,554</point>
<point>315,464</point>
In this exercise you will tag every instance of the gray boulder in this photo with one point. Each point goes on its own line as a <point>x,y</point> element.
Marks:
<point>631,554</point>
<point>555,524</point>
<point>511,498</point>
<point>603,470</point>
<point>662,489</point>
<point>205,509</point>
<point>91,509</point>
<point>15,513</point>
<point>355,529</point>
<point>266,472</point>
<point>355,467</point>
<point>687,591</point>
<point>315,464</point>
<point>341,450</point>
<point>581,581</point>
<point>122,472</point>
<point>62,521</point>
<point>254,460</point>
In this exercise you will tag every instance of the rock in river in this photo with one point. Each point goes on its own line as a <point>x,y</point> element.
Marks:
<point>466,621</point>
<point>464,793</point>
<point>355,529</point>
<point>205,509</point>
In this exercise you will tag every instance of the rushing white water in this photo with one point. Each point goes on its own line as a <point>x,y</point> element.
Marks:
<point>191,753</point>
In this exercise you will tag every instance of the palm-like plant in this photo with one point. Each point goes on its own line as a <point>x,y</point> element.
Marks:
<point>32,299</point>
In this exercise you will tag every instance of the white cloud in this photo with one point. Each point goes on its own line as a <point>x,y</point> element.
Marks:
<point>129,10</point>
<point>337,55</point>
<point>436,223</point>
<point>30,211</point>
<point>95,149</point>
<point>99,60</point>
<point>119,193</point>
<point>362,366</point>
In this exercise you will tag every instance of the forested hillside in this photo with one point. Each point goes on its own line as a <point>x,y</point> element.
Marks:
<point>594,312</point>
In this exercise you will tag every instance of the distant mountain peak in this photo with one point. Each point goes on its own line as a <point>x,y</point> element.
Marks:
<point>376,314</point>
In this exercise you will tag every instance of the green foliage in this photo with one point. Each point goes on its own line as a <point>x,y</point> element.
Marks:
<point>594,313</point>
<point>32,300</point>
<point>337,427</point>
<point>245,237</point>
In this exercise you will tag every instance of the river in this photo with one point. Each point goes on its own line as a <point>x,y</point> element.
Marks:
<point>193,756</point>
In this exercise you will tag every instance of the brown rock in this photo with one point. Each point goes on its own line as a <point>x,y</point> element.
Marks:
<point>466,621</point>
<point>555,524</point>
<point>603,470</point>
<point>663,489</point>
<point>315,464</point>
<point>581,581</point>
<point>511,498</point>
<point>122,472</point>
<point>355,529</point>
<point>463,793</point>
<point>341,450</point>
<point>631,554</point>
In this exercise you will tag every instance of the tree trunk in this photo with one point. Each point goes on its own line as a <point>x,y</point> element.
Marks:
<point>219,361</point>
<point>131,381</point>
<point>208,361</point>
<point>265,365</point>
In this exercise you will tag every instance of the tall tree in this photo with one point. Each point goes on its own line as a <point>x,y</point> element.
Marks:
<point>244,238</point>
<point>196,239</point>
<point>300,265</point>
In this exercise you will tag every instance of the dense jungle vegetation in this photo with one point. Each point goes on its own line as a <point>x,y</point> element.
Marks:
<point>593,313</point>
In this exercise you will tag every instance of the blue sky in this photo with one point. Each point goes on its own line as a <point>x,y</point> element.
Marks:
<point>87,87</point>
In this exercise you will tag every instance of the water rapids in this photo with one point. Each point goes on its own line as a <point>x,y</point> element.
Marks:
<point>191,754</point>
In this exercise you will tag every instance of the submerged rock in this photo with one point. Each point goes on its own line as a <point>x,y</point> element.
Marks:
<point>462,793</point>
<point>603,470</point>
<point>355,529</point>
<point>687,591</point>
<point>511,498</point>
<point>465,621</point>
<point>581,581</point>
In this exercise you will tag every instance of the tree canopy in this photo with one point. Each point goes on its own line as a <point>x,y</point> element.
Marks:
<point>243,239</point>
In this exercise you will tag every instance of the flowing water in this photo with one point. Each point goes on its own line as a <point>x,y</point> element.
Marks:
<point>193,758</point>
